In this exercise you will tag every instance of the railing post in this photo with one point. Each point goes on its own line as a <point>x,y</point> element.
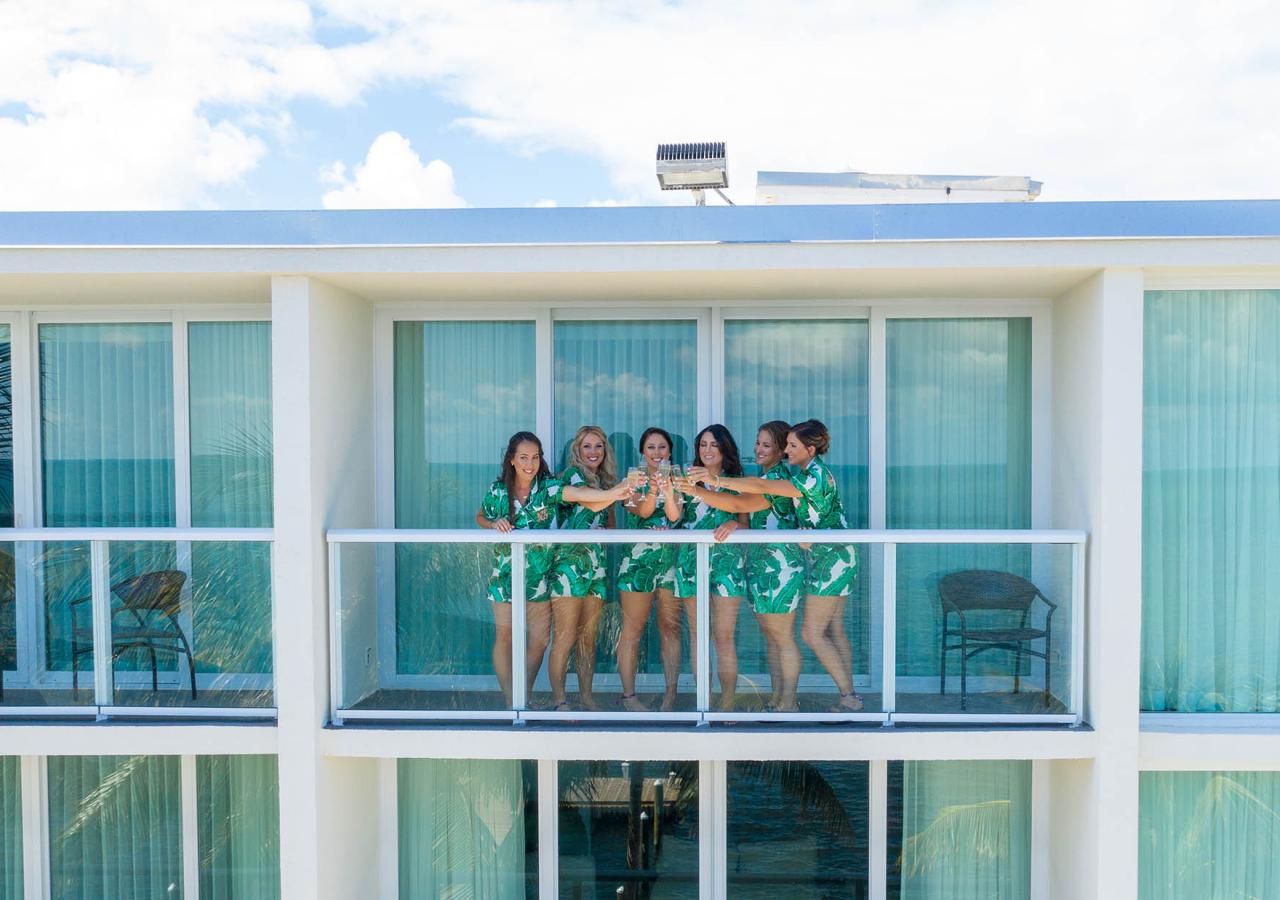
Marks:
<point>889,631</point>
<point>335,633</point>
<point>1077,630</point>
<point>703,674</point>
<point>519,639</point>
<point>100,604</point>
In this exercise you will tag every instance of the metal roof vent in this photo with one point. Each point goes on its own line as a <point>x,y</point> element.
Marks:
<point>693,167</point>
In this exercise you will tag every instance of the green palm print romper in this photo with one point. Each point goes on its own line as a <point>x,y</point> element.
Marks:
<point>728,569</point>
<point>646,568</point>
<point>537,512</point>
<point>577,570</point>
<point>776,572</point>
<point>832,567</point>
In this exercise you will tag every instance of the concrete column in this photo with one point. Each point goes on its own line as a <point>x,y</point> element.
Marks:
<point>322,383</point>
<point>1097,476</point>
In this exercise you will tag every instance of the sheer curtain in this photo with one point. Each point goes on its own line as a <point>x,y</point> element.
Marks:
<point>966,831</point>
<point>6,429</point>
<point>1209,834</point>
<point>238,808</point>
<point>1211,501</point>
<point>115,827</point>
<point>229,386</point>
<point>463,831</point>
<point>461,390</point>
<point>958,435</point>
<point>10,828</point>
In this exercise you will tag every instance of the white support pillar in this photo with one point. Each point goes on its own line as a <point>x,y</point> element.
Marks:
<point>1097,486</point>
<point>322,384</point>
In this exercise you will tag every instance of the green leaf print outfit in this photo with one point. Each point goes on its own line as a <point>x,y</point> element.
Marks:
<point>646,568</point>
<point>776,572</point>
<point>728,569</point>
<point>577,570</point>
<point>537,511</point>
<point>832,567</point>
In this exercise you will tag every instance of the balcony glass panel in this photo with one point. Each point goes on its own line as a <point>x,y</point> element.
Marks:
<point>797,828</point>
<point>10,828</point>
<point>1208,834</point>
<point>959,830</point>
<point>1211,502</point>
<point>467,828</point>
<point>628,829</point>
<point>1007,611</point>
<point>6,429</point>
<point>115,827</point>
<point>452,421</point>
<point>238,812</point>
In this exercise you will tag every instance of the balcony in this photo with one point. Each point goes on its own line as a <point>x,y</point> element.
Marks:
<point>136,622</point>
<point>413,635</point>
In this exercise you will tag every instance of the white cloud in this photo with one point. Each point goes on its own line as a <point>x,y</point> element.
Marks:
<point>392,176</point>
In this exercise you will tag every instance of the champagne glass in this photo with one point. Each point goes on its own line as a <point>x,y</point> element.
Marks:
<point>633,481</point>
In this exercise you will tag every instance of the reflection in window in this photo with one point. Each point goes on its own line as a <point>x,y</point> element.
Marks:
<point>797,827</point>
<point>959,830</point>
<point>467,828</point>
<point>238,811</point>
<point>629,827</point>
<point>10,828</point>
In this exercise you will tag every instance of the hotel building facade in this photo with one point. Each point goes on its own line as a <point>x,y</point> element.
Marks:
<point>245,638</point>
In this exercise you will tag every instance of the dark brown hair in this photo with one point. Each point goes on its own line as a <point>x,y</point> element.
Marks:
<point>664,434</point>
<point>728,449</point>
<point>778,430</point>
<point>508,473</point>
<point>813,433</point>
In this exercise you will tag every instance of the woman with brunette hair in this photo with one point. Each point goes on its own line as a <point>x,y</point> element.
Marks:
<point>576,581</point>
<point>831,567</point>
<point>715,455</point>
<point>647,573</point>
<point>527,496</point>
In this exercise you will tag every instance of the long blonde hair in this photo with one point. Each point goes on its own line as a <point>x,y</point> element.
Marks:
<point>606,474</point>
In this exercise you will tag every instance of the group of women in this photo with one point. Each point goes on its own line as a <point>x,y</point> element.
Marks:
<point>566,583</point>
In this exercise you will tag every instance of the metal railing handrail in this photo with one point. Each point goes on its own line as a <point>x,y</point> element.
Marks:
<point>701,536</point>
<point>163,534</point>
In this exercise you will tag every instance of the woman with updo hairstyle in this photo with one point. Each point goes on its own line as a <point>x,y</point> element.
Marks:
<point>832,568</point>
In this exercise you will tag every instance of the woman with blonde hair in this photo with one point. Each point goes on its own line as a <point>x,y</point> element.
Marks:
<point>577,577</point>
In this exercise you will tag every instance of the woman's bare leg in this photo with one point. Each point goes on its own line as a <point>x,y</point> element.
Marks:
<point>585,662</point>
<point>724,624</point>
<point>538,621</point>
<point>502,648</point>
<point>565,612</point>
<point>780,633</point>
<point>840,636</point>
<point>818,612</point>
<point>635,617</point>
<point>690,605</point>
<point>669,639</point>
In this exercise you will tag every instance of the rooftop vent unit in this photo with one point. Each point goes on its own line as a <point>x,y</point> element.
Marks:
<point>693,167</point>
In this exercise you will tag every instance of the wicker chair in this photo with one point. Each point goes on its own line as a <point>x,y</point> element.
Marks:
<point>979,590</point>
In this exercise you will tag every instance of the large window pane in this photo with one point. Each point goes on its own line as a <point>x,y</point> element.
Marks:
<point>960,830</point>
<point>115,827</point>
<point>238,812</point>
<point>106,398</point>
<point>230,399</point>
<point>467,828</point>
<point>461,390</point>
<point>798,828</point>
<point>10,828</point>
<point>629,827</point>
<point>1209,834</point>
<point>1211,501</point>
<point>958,439</point>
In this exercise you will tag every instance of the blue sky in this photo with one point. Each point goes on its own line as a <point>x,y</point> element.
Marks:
<point>148,104</point>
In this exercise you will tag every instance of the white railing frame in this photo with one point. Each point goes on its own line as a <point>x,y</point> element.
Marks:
<point>101,677</point>
<point>889,539</point>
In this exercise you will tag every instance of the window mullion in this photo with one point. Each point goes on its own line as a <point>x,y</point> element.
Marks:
<point>35,829</point>
<point>548,829</point>
<point>190,831</point>
<point>389,828</point>
<point>878,829</point>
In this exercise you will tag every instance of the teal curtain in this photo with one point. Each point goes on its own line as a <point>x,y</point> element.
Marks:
<point>1209,834</point>
<point>958,441</point>
<point>6,429</point>
<point>464,831</point>
<point>10,828</point>
<point>797,369</point>
<point>965,831</point>
<point>461,390</point>
<point>115,827</point>
<point>625,376</point>
<point>238,808</point>
<point>1211,501</point>
<point>229,387</point>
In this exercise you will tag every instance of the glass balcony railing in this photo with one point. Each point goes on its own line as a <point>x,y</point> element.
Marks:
<point>881,626</point>
<point>136,622</point>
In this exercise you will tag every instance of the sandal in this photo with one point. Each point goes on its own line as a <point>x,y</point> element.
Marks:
<point>631,703</point>
<point>850,702</point>
<point>563,706</point>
